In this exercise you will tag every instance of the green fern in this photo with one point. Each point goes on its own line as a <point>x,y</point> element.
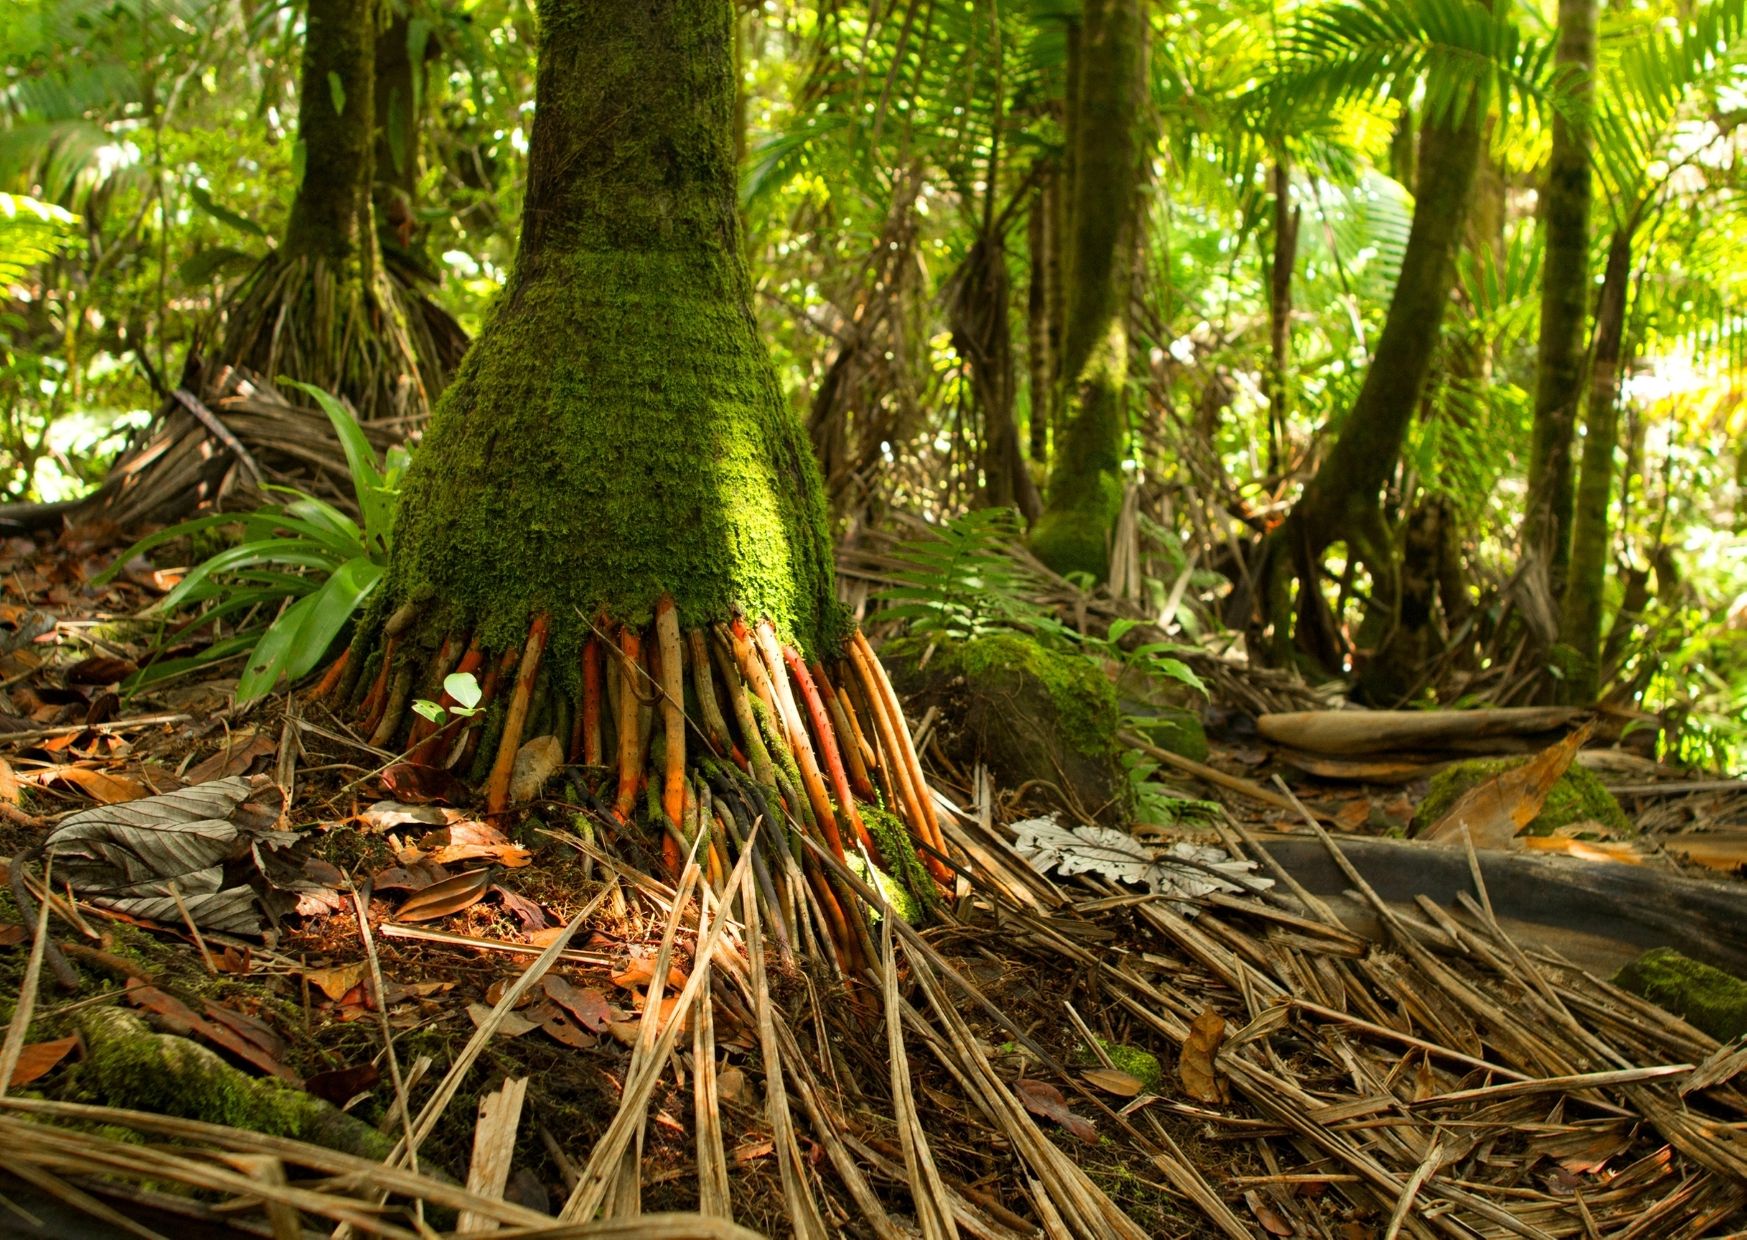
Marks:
<point>960,580</point>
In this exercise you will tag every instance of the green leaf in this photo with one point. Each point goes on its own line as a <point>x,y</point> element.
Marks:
<point>429,710</point>
<point>202,198</point>
<point>337,92</point>
<point>368,486</point>
<point>295,643</point>
<point>463,687</point>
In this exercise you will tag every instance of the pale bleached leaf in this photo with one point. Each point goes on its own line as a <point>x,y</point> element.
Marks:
<point>1181,872</point>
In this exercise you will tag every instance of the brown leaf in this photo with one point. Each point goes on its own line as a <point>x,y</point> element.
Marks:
<point>414,877</point>
<point>100,670</point>
<point>512,1025</point>
<point>1584,850</point>
<point>590,1006</point>
<point>1042,1098</point>
<point>449,896</point>
<point>1195,1066</point>
<point>531,915</point>
<point>340,1085</point>
<point>11,934</point>
<point>420,784</point>
<point>1496,810</point>
<point>37,1058</point>
<point>235,757</point>
<point>180,1018</point>
<point>561,1028</point>
<point>1112,1081</point>
<point>98,785</point>
<point>1267,1216</point>
<point>8,783</point>
<point>1716,850</point>
<point>337,982</point>
<point>470,841</point>
<point>639,971</point>
<point>536,762</point>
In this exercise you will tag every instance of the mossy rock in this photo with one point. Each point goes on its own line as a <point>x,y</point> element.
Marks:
<point>128,1065</point>
<point>1706,998</point>
<point>1577,797</point>
<point>1030,713</point>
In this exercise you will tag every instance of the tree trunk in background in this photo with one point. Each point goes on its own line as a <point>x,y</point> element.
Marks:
<point>979,311</point>
<point>1279,275</point>
<point>399,120</point>
<point>1580,625</point>
<point>1343,501</point>
<point>336,131</point>
<point>1107,69</point>
<point>1039,320</point>
<point>1564,299</point>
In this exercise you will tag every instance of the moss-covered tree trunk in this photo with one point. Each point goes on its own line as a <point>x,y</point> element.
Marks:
<point>1040,320</point>
<point>1581,622</point>
<point>1343,500</point>
<point>615,521</point>
<point>1105,108</point>
<point>979,306</point>
<point>1565,203</point>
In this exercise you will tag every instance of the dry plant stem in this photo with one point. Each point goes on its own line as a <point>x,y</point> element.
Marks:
<point>673,782</point>
<point>630,734</point>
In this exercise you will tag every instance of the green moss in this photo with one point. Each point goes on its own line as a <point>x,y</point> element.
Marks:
<point>127,1065</point>
<point>1578,797</point>
<point>1142,1065</point>
<point>1704,997</point>
<point>1077,691</point>
<point>907,876</point>
<point>617,432</point>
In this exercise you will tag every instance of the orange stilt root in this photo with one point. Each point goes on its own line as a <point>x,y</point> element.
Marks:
<point>828,748</point>
<point>630,734</point>
<point>497,786</point>
<point>672,671</point>
<point>331,679</point>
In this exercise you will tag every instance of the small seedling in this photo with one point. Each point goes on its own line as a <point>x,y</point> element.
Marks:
<point>463,688</point>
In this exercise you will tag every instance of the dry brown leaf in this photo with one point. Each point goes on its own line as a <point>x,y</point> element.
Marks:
<point>1042,1098</point>
<point>1113,1081</point>
<point>589,1006</point>
<point>730,1084</point>
<point>336,983</point>
<point>536,762</point>
<point>512,1025</point>
<point>37,1058</point>
<point>1583,850</point>
<point>470,840</point>
<point>639,971</point>
<point>449,896</point>
<point>1496,810</point>
<point>235,757</point>
<point>1268,1216</point>
<point>1195,1068</point>
<point>98,785</point>
<point>8,783</point>
<point>1716,850</point>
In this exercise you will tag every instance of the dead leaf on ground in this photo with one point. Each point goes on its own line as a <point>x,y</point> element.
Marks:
<point>38,1058</point>
<point>1114,1081</point>
<point>98,785</point>
<point>1195,1067</point>
<point>1584,850</point>
<point>1724,850</point>
<point>561,1028</point>
<point>100,669</point>
<point>536,762</point>
<point>234,757</point>
<point>589,1006</point>
<point>178,1017</point>
<point>1496,810</point>
<point>337,982</point>
<point>340,1085</point>
<point>471,840</point>
<point>1271,1220</point>
<point>530,914</point>
<point>639,971</point>
<point>512,1025</point>
<point>8,783</point>
<point>1043,1099</point>
<point>420,784</point>
<point>449,896</point>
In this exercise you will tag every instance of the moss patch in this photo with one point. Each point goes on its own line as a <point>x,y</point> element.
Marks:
<point>1075,690</point>
<point>1705,998</point>
<point>1142,1065</point>
<point>1578,797</point>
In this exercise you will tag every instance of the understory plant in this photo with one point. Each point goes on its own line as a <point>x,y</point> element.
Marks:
<point>298,572</point>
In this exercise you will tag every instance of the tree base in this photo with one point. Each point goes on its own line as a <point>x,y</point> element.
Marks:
<point>697,742</point>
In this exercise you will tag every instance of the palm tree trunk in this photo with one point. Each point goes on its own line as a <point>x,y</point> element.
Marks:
<point>1280,265</point>
<point>1581,623</point>
<point>1564,298</point>
<point>1107,73</point>
<point>336,132</point>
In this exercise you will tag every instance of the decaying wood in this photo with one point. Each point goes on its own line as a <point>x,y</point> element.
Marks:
<point>1368,732</point>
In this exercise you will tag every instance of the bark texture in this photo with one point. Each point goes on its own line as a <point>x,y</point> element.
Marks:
<point>1106,76</point>
<point>617,432</point>
<point>1564,297</point>
<point>336,127</point>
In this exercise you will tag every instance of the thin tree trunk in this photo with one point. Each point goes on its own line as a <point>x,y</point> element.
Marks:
<point>1564,298</point>
<point>1581,623</point>
<point>1039,324</point>
<point>399,119</point>
<point>1342,501</point>
<point>980,312</point>
<point>1280,265</point>
<point>336,131</point>
<point>1107,70</point>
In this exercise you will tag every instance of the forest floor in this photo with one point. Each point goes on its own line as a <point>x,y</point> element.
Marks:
<point>1320,1054</point>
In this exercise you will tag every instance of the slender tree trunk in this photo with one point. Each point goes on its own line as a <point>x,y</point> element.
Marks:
<point>1107,72</point>
<point>399,121</point>
<point>980,312</point>
<point>1581,623</point>
<point>1039,322</point>
<point>1342,501</point>
<point>336,130</point>
<point>1564,298</point>
<point>1280,265</point>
